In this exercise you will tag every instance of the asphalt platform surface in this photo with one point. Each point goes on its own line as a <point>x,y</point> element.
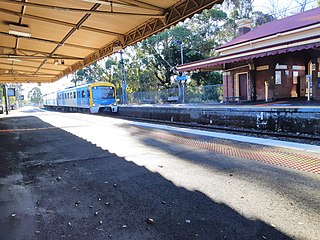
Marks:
<point>56,185</point>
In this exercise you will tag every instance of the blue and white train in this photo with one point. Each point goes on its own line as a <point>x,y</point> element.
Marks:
<point>93,98</point>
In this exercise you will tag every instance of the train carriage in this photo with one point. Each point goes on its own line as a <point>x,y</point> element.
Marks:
<point>93,97</point>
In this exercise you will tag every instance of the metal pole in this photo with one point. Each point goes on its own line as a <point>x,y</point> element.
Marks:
<point>308,87</point>
<point>5,93</point>
<point>18,96</point>
<point>181,51</point>
<point>124,83</point>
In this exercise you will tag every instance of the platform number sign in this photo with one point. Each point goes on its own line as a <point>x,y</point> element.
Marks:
<point>11,92</point>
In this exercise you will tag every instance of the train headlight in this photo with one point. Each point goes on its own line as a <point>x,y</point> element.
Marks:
<point>93,105</point>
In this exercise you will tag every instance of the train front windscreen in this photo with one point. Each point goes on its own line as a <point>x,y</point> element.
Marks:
<point>101,93</point>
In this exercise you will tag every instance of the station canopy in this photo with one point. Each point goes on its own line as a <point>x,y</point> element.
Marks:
<point>43,41</point>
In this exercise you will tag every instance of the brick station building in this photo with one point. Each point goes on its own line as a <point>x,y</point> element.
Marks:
<point>274,61</point>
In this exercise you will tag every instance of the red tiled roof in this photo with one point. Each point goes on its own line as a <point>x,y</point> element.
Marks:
<point>300,20</point>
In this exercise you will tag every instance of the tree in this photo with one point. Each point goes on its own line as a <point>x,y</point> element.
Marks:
<point>110,65</point>
<point>209,30</point>
<point>35,95</point>
<point>160,54</point>
<point>260,18</point>
<point>199,36</point>
<point>302,4</point>
<point>239,8</point>
<point>89,74</point>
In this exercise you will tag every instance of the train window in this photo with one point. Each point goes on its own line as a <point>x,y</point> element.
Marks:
<point>65,95</point>
<point>74,94</point>
<point>103,92</point>
<point>88,93</point>
<point>83,94</point>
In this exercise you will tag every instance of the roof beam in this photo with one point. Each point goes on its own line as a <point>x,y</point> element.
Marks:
<point>140,4</point>
<point>50,41</point>
<point>23,10</point>
<point>26,74</point>
<point>34,52</point>
<point>15,56</point>
<point>58,22</point>
<point>28,66</point>
<point>155,20</point>
<point>26,79</point>
<point>73,30</point>
<point>128,3</point>
<point>176,13</point>
<point>38,61</point>
<point>80,10</point>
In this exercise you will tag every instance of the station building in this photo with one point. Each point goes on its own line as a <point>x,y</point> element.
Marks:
<point>280,59</point>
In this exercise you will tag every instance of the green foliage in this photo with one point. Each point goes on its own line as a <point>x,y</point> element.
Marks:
<point>204,94</point>
<point>240,8</point>
<point>112,72</point>
<point>161,53</point>
<point>259,18</point>
<point>35,95</point>
<point>89,74</point>
<point>206,78</point>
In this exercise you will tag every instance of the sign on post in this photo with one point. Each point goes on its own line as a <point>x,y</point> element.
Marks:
<point>181,78</point>
<point>11,92</point>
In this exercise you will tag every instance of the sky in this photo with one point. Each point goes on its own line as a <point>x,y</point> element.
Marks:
<point>293,7</point>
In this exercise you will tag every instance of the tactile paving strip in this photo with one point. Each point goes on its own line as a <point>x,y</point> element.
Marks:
<point>270,155</point>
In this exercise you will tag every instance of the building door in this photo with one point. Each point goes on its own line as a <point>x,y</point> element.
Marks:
<point>243,86</point>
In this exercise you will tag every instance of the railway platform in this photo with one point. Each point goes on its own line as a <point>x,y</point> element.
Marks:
<point>83,176</point>
<point>287,116</point>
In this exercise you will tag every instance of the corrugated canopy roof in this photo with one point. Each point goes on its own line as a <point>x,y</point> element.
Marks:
<point>68,35</point>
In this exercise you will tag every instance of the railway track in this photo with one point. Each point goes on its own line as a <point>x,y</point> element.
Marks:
<point>300,138</point>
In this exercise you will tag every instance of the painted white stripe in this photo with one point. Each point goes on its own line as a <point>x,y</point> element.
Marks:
<point>247,139</point>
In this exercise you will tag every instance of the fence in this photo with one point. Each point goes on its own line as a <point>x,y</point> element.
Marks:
<point>209,93</point>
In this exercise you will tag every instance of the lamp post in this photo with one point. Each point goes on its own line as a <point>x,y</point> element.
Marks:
<point>179,42</point>
<point>5,93</point>
<point>123,73</point>
<point>124,81</point>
